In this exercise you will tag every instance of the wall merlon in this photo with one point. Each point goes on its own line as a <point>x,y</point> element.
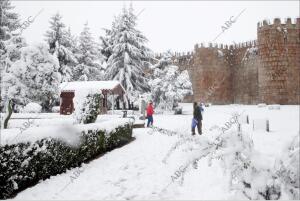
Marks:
<point>249,72</point>
<point>277,21</point>
<point>288,22</point>
<point>298,22</point>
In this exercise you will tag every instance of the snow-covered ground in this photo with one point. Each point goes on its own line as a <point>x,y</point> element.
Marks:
<point>140,170</point>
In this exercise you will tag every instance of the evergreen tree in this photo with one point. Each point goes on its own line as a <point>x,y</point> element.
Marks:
<point>106,43</point>
<point>129,55</point>
<point>89,58</point>
<point>35,77</point>
<point>10,45</point>
<point>59,40</point>
<point>9,20</point>
<point>169,86</point>
<point>71,42</point>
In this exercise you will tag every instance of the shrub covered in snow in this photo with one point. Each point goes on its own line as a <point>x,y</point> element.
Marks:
<point>289,169</point>
<point>55,109</point>
<point>32,108</point>
<point>33,78</point>
<point>24,164</point>
<point>250,174</point>
<point>87,108</point>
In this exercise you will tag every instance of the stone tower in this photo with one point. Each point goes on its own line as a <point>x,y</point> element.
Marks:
<point>279,54</point>
<point>266,70</point>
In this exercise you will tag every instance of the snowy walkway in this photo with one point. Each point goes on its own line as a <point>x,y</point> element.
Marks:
<point>136,171</point>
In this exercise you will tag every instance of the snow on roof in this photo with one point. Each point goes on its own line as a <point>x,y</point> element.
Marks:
<point>89,85</point>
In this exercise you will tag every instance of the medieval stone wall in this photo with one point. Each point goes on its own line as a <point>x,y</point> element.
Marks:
<point>266,70</point>
<point>245,64</point>
<point>278,46</point>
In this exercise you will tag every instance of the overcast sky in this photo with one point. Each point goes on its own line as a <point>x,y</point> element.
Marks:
<point>174,25</point>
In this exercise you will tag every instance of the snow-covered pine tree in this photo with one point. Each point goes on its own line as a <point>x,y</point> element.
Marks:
<point>35,77</point>
<point>9,20</point>
<point>11,54</point>
<point>169,86</point>
<point>129,55</point>
<point>106,43</point>
<point>59,40</point>
<point>89,58</point>
<point>10,45</point>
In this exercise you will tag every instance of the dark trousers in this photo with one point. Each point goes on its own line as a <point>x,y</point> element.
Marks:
<point>150,120</point>
<point>199,127</point>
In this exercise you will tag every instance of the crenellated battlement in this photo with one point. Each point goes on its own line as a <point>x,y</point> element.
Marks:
<point>175,54</point>
<point>247,44</point>
<point>261,70</point>
<point>211,45</point>
<point>288,23</point>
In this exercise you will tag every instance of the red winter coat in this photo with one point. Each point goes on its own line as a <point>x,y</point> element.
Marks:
<point>150,110</point>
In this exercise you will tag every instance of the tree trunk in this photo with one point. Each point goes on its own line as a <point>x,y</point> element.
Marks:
<point>9,114</point>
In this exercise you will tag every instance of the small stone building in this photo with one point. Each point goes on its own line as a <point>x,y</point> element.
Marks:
<point>68,90</point>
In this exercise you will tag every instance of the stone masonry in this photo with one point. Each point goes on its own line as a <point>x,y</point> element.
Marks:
<point>263,71</point>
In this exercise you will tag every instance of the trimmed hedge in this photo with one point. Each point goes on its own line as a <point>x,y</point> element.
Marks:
<point>24,164</point>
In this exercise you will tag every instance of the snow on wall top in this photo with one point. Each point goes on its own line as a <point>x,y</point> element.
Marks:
<point>89,85</point>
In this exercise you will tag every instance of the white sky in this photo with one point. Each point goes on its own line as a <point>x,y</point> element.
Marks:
<point>175,25</point>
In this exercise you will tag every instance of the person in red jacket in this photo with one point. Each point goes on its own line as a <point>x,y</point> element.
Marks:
<point>150,112</point>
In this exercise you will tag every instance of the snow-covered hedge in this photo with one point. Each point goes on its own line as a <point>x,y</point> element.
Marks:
<point>25,163</point>
<point>32,108</point>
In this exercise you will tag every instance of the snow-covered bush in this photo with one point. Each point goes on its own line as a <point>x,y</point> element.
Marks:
<point>32,108</point>
<point>250,174</point>
<point>55,109</point>
<point>25,164</point>
<point>178,110</point>
<point>87,108</point>
<point>34,78</point>
<point>288,169</point>
<point>169,87</point>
